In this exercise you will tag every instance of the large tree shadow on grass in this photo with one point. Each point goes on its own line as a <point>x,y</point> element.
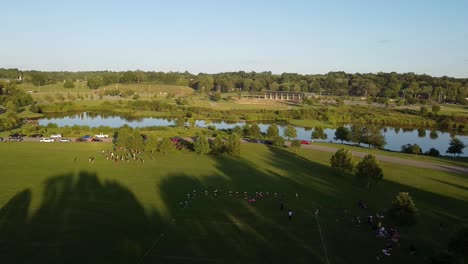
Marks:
<point>84,220</point>
<point>80,220</point>
<point>230,230</point>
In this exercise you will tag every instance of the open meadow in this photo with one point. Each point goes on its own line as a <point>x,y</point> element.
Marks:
<point>57,207</point>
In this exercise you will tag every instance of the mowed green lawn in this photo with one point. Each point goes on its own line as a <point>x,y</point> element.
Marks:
<point>56,210</point>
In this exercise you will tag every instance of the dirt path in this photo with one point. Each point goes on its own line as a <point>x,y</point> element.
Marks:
<point>414,163</point>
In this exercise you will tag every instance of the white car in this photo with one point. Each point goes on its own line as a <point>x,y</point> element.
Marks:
<point>65,140</point>
<point>56,136</point>
<point>47,140</point>
<point>101,135</point>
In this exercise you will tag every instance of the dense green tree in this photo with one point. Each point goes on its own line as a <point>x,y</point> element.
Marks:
<point>278,141</point>
<point>218,145</point>
<point>201,145</point>
<point>95,82</point>
<point>129,77</point>
<point>34,108</point>
<point>274,86</point>
<point>432,152</point>
<point>237,130</point>
<point>205,83</point>
<point>68,84</point>
<point>165,145</point>
<point>342,160</point>
<point>435,108</point>
<point>368,171</point>
<point>39,78</point>
<point>11,107</point>
<point>192,122</point>
<point>137,140</point>
<point>151,144</point>
<point>290,132</point>
<point>124,138</point>
<point>342,133</point>
<point>411,149</point>
<point>233,145</point>
<point>182,82</point>
<point>403,209</point>
<point>296,145</point>
<point>423,110</point>
<point>254,131</point>
<point>375,138</point>
<point>386,85</point>
<point>456,147</point>
<point>318,133</point>
<point>272,131</point>
<point>358,134</point>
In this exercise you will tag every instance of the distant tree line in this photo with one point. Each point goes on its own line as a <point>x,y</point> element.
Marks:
<point>410,86</point>
<point>11,101</point>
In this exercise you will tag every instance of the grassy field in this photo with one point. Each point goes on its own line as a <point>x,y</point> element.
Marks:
<point>56,210</point>
<point>148,89</point>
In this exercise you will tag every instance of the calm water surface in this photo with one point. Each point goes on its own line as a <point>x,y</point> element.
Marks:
<point>395,137</point>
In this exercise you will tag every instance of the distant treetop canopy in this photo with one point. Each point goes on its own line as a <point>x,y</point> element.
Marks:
<point>411,86</point>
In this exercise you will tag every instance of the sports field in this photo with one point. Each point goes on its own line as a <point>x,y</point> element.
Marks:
<point>58,210</point>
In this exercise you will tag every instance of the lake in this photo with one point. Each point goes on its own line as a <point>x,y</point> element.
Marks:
<point>395,137</point>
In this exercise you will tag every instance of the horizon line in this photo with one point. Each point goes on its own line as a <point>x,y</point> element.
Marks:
<point>214,73</point>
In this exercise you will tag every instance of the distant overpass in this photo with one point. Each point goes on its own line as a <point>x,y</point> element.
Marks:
<point>279,95</point>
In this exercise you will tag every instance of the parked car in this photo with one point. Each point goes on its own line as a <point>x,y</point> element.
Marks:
<point>65,140</point>
<point>1,139</point>
<point>81,140</point>
<point>267,142</point>
<point>305,142</point>
<point>36,135</point>
<point>17,138</point>
<point>56,136</point>
<point>96,140</point>
<point>86,137</point>
<point>101,135</point>
<point>48,140</point>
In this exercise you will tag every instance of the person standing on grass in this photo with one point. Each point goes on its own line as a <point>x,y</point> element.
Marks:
<point>290,213</point>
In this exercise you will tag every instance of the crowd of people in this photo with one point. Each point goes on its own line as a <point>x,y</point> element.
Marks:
<point>250,198</point>
<point>375,223</point>
<point>123,155</point>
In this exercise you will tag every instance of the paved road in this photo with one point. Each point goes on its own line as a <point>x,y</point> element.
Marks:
<point>414,163</point>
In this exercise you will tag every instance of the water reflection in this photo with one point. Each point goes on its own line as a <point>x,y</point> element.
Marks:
<point>396,137</point>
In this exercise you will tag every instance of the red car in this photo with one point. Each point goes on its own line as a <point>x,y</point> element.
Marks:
<point>175,140</point>
<point>305,142</point>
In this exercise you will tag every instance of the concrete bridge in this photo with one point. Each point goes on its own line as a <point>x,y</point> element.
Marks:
<point>278,95</point>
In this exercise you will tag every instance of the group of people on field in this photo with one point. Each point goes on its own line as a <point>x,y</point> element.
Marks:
<point>375,223</point>
<point>123,155</point>
<point>251,198</point>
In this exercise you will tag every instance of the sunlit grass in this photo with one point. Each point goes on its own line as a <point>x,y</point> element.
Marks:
<point>146,196</point>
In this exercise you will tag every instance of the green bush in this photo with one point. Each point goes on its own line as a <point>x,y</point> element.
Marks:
<point>403,209</point>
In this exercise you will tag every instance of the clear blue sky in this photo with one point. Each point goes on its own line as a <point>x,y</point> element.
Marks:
<point>215,36</point>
